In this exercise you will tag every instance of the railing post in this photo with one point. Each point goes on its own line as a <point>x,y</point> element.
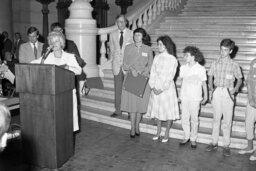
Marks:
<point>154,10</point>
<point>145,19</point>
<point>134,26</point>
<point>163,5</point>
<point>103,39</point>
<point>139,21</point>
<point>150,14</point>
<point>166,4</point>
<point>81,28</point>
<point>158,7</point>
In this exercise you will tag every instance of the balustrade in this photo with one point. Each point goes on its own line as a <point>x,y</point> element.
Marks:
<point>141,17</point>
<point>81,28</point>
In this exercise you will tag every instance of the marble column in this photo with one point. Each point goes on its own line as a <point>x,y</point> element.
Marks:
<point>6,17</point>
<point>45,12</point>
<point>81,28</point>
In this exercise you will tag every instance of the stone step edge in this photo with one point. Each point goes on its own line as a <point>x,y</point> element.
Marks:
<point>177,124</point>
<point>151,129</point>
<point>205,121</point>
<point>109,101</point>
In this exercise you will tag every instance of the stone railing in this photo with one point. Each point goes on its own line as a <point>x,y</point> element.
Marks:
<point>141,16</point>
<point>81,28</point>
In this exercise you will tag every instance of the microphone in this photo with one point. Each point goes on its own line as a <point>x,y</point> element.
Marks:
<point>45,55</point>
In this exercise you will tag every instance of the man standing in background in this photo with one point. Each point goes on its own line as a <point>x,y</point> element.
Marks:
<point>32,49</point>
<point>118,40</point>
<point>7,45</point>
<point>17,43</point>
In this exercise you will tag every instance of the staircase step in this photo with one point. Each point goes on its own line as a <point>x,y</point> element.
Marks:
<point>221,1</point>
<point>209,5</point>
<point>149,126</point>
<point>202,23</point>
<point>209,27</point>
<point>107,102</point>
<point>214,14</point>
<point>213,40</point>
<point>212,19</point>
<point>106,92</point>
<point>212,47</point>
<point>241,95</point>
<point>203,33</point>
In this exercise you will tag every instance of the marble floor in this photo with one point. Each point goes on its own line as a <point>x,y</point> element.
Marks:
<point>100,147</point>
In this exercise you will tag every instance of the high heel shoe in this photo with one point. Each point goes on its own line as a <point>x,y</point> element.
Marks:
<point>155,138</point>
<point>132,136</point>
<point>137,134</point>
<point>164,140</point>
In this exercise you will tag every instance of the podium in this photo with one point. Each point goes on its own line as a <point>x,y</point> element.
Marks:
<point>46,113</point>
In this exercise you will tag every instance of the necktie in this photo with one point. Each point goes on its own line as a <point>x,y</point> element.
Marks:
<point>35,50</point>
<point>121,40</point>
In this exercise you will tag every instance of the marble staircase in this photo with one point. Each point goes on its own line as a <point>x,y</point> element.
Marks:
<point>202,23</point>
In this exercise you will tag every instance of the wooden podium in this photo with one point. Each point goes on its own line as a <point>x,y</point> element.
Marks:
<point>46,113</point>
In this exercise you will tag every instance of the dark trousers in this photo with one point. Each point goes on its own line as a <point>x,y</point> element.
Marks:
<point>118,83</point>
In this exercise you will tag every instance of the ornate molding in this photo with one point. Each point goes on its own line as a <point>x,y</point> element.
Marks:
<point>63,4</point>
<point>124,4</point>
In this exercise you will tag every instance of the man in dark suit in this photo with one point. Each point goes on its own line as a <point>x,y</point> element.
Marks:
<point>17,43</point>
<point>7,44</point>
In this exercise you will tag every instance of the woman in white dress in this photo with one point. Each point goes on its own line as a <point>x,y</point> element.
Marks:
<point>163,102</point>
<point>56,41</point>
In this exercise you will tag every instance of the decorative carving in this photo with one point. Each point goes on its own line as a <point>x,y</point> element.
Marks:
<point>45,1</point>
<point>64,4</point>
<point>124,4</point>
<point>100,8</point>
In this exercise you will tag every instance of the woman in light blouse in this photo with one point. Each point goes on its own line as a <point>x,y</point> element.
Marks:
<point>163,103</point>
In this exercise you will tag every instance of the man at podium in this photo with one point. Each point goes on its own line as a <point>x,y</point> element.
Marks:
<point>56,56</point>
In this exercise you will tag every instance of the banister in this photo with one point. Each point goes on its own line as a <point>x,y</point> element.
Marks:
<point>130,16</point>
<point>139,16</point>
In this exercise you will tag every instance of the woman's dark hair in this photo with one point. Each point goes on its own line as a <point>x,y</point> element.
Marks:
<point>168,43</point>
<point>145,37</point>
<point>194,51</point>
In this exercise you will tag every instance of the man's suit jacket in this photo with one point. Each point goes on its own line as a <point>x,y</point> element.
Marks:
<point>26,52</point>
<point>17,48</point>
<point>7,47</point>
<point>117,53</point>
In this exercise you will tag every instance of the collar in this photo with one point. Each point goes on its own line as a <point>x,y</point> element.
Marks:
<point>196,63</point>
<point>227,59</point>
<point>32,45</point>
<point>122,31</point>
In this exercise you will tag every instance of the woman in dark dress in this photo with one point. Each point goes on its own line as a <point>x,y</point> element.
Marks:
<point>138,58</point>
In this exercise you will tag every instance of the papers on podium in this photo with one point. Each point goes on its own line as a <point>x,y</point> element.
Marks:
<point>135,85</point>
